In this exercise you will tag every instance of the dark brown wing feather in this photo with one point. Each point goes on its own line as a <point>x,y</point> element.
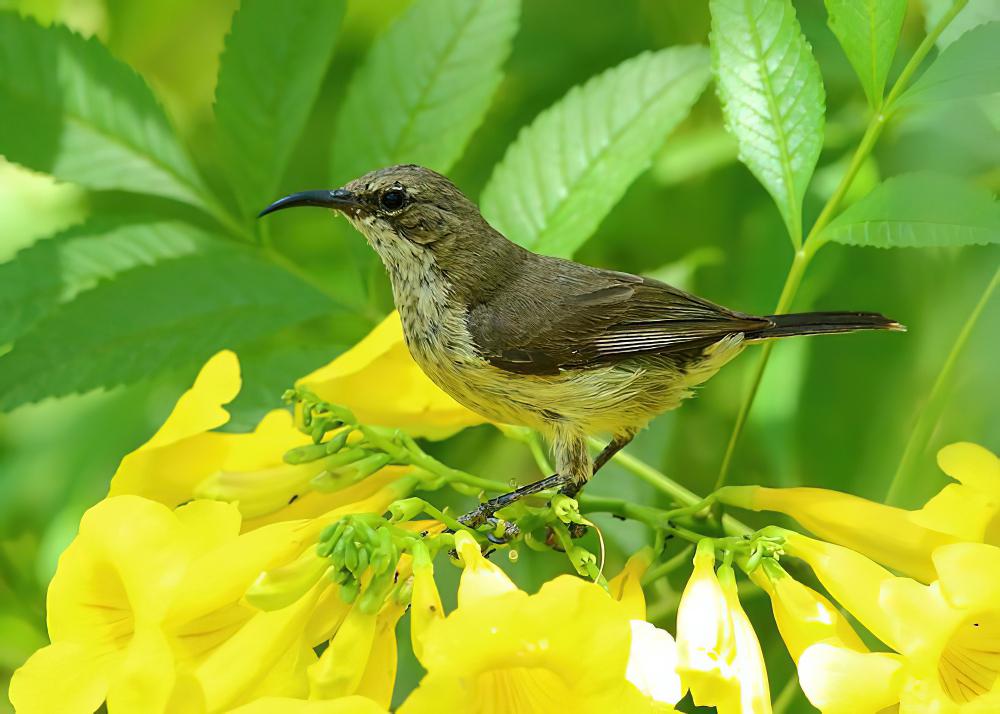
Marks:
<point>555,314</point>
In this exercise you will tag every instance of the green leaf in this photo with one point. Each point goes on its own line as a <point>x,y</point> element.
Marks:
<point>269,76</point>
<point>976,12</point>
<point>72,110</point>
<point>573,163</point>
<point>868,30</point>
<point>424,87</point>
<point>921,210</point>
<point>772,97</point>
<point>152,318</point>
<point>56,269</point>
<point>968,67</point>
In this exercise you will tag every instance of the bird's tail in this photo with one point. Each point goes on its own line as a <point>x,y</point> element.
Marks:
<point>823,323</point>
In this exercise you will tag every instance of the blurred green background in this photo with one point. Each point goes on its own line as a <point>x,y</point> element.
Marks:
<point>832,412</point>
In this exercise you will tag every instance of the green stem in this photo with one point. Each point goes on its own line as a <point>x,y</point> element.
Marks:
<point>663,483</point>
<point>787,695</point>
<point>668,566</point>
<point>931,412</point>
<point>788,292</point>
<point>814,241</point>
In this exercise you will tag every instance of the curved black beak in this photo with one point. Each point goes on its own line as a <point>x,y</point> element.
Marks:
<point>341,199</point>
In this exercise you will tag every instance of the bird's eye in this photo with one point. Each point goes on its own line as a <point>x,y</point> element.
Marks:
<point>393,199</point>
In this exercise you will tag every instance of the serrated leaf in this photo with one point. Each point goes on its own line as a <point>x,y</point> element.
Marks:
<point>968,67</point>
<point>56,269</point>
<point>172,314</point>
<point>72,110</point>
<point>269,75</point>
<point>868,31</point>
<point>920,211</point>
<point>772,97</point>
<point>424,87</point>
<point>573,163</point>
<point>976,12</point>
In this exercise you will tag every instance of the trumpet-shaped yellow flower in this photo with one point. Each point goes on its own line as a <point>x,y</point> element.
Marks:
<point>565,648</point>
<point>382,384</point>
<point>836,671</point>
<point>121,612</point>
<point>970,509</point>
<point>947,633</point>
<point>718,655</point>
<point>883,533</point>
<point>804,617</point>
<point>185,459</point>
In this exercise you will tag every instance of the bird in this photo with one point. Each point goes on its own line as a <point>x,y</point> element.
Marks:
<point>520,338</point>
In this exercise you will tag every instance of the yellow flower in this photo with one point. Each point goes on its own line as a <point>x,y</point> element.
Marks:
<point>565,648</point>
<point>718,655</point>
<point>185,459</point>
<point>382,385</point>
<point>903,540</point>
<point>271,654</point>
<point>970,509</point>
<point>836,671</point>
<point>947,633</point>
<point>288,705</point>
<point>120,612</point>
<point>883,533</point>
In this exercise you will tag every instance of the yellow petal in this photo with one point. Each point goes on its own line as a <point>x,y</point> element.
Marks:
<point>885,534</point>
<point>804,617</point>
<point>362,497</point>
<point>240,662</point>
<point>920,615</point>
<point>748,663</point>
<point>480,577</point>
<point>342,665</point>
<point>652,663</point>
<point>200,408</point>
<point>129,553</point>
<point>285,705</point>
<point>143,682</point>
<point>64,677</point>
<point>626,587</point>
<point>853,580</point>
<point>266,444</point>
<point>425,608</point>
<point>705,638</point>
<point>379,677</point>
<point>170,473</point>
<point>972,465</point>
<point>379,381</point>
<point>963,512</point>
<point>842,681</point>
<point>969,575</point>
<point>566,648</point>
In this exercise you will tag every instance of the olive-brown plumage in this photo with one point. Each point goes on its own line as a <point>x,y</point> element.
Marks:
<point>528,339</point>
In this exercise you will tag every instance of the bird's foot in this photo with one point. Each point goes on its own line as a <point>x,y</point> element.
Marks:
<point>485,511</point>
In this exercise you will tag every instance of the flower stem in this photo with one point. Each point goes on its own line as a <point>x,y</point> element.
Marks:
<point>931,412</point>
<point>667,485</point>
<point>814,240</point>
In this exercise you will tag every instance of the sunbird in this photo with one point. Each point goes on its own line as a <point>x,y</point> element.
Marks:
<point>521,338</point>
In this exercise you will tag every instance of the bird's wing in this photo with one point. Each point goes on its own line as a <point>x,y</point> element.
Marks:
<point>581,317</point>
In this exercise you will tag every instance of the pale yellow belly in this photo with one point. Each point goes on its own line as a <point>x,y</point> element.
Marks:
<point>610,399</point>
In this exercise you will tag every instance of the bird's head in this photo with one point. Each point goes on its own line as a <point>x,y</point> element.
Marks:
<point>407,213</point>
